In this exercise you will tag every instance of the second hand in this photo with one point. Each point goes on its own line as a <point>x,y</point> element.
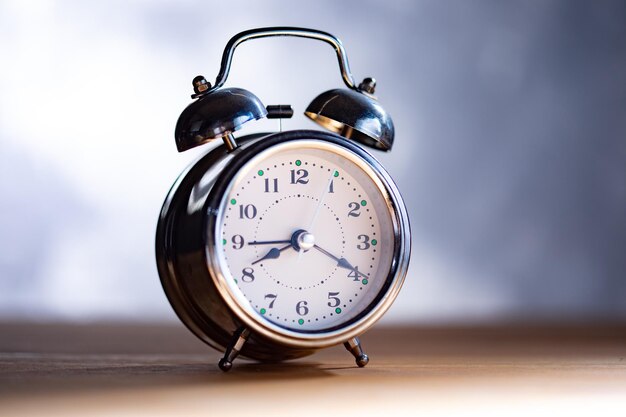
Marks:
<point>317,210</point>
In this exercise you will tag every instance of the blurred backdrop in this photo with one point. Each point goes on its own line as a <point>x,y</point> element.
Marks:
<point>510,144</point>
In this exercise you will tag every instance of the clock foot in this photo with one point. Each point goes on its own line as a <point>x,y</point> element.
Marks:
<point>240,336</point>
<point>354,346</point>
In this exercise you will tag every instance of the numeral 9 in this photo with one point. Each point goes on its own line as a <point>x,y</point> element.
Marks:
<point>238,242</point>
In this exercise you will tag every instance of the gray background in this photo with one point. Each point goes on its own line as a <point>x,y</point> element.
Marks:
<point>510,144</point>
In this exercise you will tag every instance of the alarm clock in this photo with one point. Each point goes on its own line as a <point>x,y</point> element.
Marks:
<point>276,245</point>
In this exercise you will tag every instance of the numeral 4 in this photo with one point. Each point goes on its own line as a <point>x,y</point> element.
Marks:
<point>354,274</point>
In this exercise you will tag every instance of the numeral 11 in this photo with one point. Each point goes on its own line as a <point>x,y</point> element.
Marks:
<point>273,185</point>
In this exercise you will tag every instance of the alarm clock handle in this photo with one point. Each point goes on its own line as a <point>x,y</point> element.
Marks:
<point>238,39</point>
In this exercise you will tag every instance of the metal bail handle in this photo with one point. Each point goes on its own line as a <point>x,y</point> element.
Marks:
<point>240,38</point>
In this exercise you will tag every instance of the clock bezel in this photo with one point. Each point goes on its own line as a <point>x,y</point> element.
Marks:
<point>401,238</point>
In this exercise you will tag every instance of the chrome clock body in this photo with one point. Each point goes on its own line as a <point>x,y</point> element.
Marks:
<point>189,250</point>
<point>275,245</point>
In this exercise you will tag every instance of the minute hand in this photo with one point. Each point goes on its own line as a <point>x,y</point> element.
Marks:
<point>268,242</point>
<point>341,262</point>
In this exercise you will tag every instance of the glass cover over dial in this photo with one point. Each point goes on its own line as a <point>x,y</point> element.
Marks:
<point>306,236</point>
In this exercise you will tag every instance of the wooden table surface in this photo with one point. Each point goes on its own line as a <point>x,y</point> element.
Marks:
<point>100,369</point>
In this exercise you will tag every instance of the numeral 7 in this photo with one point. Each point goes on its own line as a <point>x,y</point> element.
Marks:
<point>271,297</point>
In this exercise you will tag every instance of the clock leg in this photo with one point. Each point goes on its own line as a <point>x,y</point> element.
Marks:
<point>240,336</point>
<point>354,346</point>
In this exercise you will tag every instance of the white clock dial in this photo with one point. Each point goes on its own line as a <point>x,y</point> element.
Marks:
<point>306,237</point>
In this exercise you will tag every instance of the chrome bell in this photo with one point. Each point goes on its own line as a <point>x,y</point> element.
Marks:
<point>355,115</point>
<point>215,114</point>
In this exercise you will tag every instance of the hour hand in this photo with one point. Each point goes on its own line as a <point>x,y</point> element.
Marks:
<point>272,254</point>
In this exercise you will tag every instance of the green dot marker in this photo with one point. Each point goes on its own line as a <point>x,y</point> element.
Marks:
<point>260,172</point>
<point>301,322</point>
<point>233,201</point>
<point>236,281</point>
<point>298,163</point>
<point>338,310</point>
<point>364,281</point>
<point>363,203</point>
<point>374,242</point>
<point>263,311</point>
<point>223,241</point>
<point>336,174</point>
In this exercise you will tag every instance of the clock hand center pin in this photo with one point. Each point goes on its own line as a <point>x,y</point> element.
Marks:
<point>304,240</point>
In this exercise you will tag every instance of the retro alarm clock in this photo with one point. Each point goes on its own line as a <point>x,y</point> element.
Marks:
<point>276,245</point>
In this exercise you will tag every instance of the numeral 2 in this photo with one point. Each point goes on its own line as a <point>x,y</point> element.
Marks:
<point>354,209</point>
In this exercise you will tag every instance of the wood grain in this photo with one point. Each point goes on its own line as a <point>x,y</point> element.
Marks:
<point>112,369</point>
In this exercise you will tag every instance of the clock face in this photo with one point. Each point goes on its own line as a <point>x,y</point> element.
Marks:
<point>306,236</point>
